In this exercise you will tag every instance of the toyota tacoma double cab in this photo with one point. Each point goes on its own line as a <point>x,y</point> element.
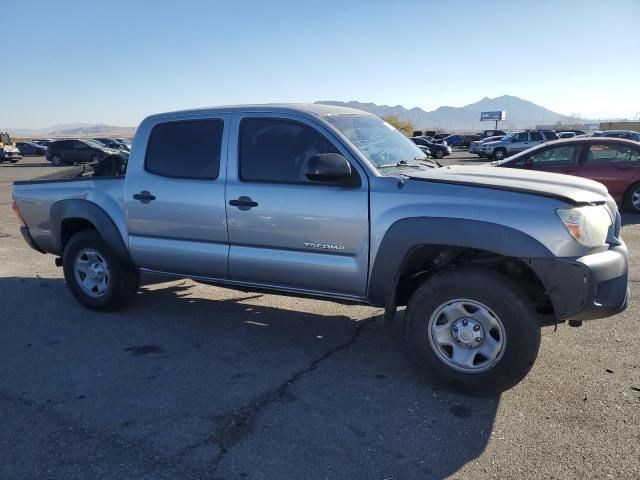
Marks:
<point>335,203</point>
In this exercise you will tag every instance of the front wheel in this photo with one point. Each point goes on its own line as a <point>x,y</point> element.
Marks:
<point>439,154</point>
<point>56,161</point>
<point>472,328</point>
<point>13,161</point>
<point>632,198</point>
<point>499,154</point>
<point>95,276</point>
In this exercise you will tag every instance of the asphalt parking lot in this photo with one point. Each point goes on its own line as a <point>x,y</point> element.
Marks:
<point>193,381</point>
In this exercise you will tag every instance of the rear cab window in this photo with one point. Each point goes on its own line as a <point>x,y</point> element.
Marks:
<point>185,149</point>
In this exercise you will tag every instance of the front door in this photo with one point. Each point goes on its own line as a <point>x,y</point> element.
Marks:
<point>286,231</point>
<point>175,201</point>
<point>556,159</point>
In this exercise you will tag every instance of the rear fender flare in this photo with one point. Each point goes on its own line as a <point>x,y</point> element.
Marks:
<point>89,211</point>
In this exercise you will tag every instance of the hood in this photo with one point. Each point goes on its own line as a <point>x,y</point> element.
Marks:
<point>10,148</point>
<point>573,190</point>
<point>492,143</point>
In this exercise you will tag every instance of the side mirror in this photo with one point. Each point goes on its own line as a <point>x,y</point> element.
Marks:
<point>328,167</point>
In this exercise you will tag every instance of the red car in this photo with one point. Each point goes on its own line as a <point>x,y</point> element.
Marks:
<point>615,162</point>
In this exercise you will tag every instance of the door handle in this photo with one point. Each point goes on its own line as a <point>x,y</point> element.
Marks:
<point>144,196</point>
<point>243,203</point>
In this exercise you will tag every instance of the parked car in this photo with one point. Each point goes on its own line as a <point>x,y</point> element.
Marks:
<point>475,146</point>
<point>438,150</point>
<point>566,134</point>
<point>330,202</point>
<point>471,138</point>
<point>78,151</point>
<point>614,162</point>
<point>30,148</point>
<point>112,143</point>
<point>8,151</point>
<point>516,142</point>
<point>455,140</point>
<point>628,134</point>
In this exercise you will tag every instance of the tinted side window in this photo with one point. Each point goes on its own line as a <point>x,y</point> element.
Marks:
<point>536,137</point>
<point>63,145</point>
<point>551,135</point>
<point>272,150</point>
<point>612,153</point>
<point>522,137</point>
<point>185,149</point>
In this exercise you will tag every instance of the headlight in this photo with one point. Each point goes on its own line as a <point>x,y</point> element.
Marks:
<point>588,225</point>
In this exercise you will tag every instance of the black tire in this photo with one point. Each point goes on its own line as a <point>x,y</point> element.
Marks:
<point>439,154</point>
<point>123,280</point>
<point>499,154</point>
<point>628,198</point>
<point>56,160</point>
<point>495,291</point>
<point>13,161</point>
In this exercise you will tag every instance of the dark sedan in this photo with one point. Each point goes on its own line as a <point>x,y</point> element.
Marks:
<point>437,150</point>
<point>30,148</point>
<point>615,162</point>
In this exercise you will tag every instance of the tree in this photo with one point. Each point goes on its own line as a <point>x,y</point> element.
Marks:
<point>405,127</point>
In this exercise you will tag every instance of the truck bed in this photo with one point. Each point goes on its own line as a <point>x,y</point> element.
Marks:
<point>35,197</point>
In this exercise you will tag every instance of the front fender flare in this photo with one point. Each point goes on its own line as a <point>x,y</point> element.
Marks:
<point>405,235</point>
<point>89,211</point>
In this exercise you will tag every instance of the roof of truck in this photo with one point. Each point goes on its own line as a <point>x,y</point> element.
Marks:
<point>314,108</point>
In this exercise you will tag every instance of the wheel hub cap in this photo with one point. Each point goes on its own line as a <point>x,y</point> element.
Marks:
<point>468,332</point>
<point>466,335</point>
<point>92,272</point>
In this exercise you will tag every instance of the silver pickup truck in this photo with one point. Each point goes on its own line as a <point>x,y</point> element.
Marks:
<point>331,202</point>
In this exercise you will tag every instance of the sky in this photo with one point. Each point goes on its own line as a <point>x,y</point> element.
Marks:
<point>116,62</point>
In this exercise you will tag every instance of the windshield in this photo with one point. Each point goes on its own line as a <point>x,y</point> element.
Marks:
<point>509,136</point>
<point>379,142</point>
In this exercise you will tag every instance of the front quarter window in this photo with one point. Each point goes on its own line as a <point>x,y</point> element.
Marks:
<point>377,140</point>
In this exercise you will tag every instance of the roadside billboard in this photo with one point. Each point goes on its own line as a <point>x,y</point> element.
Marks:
<point>494,116</point>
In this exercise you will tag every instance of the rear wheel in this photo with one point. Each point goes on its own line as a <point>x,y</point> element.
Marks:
<point>499,154</point>
<point>95,276</point>
<point>471,328</point>
<point>632,198</point>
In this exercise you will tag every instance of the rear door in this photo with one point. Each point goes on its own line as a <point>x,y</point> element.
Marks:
<point>535,138</point>
<point>175,200</point>
<point>293,233</point>
<point>616,165</point>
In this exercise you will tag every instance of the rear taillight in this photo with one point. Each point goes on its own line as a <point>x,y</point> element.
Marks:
<point>14,207</point>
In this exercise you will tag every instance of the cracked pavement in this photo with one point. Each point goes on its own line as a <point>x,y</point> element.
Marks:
<point>193,381</point>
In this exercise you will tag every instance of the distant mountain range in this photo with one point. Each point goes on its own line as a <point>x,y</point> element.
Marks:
<point>75,130</point>
<point>520,114</point>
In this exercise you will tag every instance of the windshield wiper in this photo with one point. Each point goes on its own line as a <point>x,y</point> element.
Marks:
<point>401,163</point>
